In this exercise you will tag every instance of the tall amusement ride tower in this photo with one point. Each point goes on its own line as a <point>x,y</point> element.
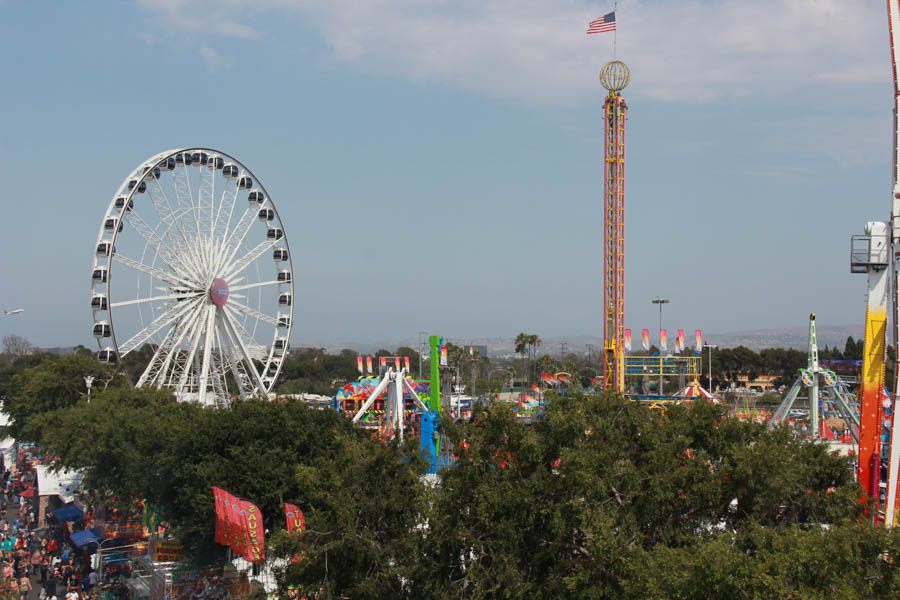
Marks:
<point>614,76</point>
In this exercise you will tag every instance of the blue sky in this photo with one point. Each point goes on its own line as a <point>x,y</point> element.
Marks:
<point>437,164</point>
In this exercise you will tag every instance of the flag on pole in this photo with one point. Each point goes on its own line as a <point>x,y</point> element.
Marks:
<point>443,353</point>
<point>369,364</point>
<point>295,519</point>
<point>220,514</point>
<point>359,364</point>
<point>663,340</point>
<point>255,550</point>
<point>471,350</point>
<point>680,341</point>
<point>699,339</point>
<point>627,340</point>
<point>406,360</point>
<point>645,339</point>
<point>605,23</point>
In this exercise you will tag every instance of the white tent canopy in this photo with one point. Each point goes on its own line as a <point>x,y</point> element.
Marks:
<point>61,483</point>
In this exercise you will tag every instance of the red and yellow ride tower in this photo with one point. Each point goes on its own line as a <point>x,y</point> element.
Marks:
<point>614,76</point>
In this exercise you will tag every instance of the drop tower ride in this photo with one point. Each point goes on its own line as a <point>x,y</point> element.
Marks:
<point>614,76</point>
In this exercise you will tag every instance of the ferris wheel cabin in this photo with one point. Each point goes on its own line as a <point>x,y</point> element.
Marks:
<point>280,254</point>
<point>256,196</point>
<point>98,302</point>
<point>102,329</point>
<point>266,214</point>
<point>100,275</point>
<point>108,356</point>
<point>120,203</point>
<point>275,233</point>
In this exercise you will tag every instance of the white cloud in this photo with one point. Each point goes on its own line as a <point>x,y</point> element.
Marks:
<point>213,59</point>
<point>536,51</point>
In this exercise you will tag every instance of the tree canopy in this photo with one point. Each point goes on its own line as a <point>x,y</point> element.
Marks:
<point>599,498</point>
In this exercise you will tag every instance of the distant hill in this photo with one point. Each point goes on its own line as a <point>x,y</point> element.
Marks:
<point>757,339</point>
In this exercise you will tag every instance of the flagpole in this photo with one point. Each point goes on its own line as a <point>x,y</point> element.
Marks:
<point>615,31</point>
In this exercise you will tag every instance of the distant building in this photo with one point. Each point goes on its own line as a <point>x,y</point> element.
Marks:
<point>763,383</point>
<point>482,350</point>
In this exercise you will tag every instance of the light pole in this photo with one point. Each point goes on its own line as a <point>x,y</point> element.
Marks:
<point>660,302</point>
<point>421,333</point>
<point>710,346</point>
<point>88,380</point>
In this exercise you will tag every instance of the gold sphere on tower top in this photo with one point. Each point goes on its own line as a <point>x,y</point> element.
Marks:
<point>615,76</point>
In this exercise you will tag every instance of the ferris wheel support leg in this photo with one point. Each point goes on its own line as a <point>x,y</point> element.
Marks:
<point>250,366</point>
<point>207,352</point>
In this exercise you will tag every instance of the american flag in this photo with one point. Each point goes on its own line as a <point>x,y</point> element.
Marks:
<point>604,23</point>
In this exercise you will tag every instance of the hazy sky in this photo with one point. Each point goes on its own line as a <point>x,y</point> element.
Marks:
<point>437,163</point>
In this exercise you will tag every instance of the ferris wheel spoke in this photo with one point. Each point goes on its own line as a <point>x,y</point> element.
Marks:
<point>248,286</point>
<point>243,348</point>
<point>208,337</point>
<point>243,262</point>
<point>182,359</point>
<point>234,358</point>
<point>167,215</point>
<point>196,335</point>
<point>252,313</point>
<point>170,278</point>
<point>154,364</point>
<point>186,324</point>
<point>150,330</point>
<point>226,207</point>
<point>257,351</point>
<point>187,296</point>
<point>164,252</point>
<point>205,220</point>
<point>230,248</point>
<point>185,200</point>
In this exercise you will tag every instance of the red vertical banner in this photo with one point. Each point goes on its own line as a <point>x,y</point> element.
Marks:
<point>645,339</point>
<point>698,338</point>
<point>294,517</point>
<point>663,340</point>
<point>359,364</point>
<point>220,514</point>
<point>406,360</point>
<point>369,364</point>
<point>680,342</point>
<point>627,340</point>
<point>235,524</point>
<point>255,548</point>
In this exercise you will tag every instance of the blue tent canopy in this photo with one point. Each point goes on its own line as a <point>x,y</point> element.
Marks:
<point>69,512</point>
<point>83,538</point>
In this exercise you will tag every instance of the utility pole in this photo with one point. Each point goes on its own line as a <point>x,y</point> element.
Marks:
<point>421,341</point>
<point>562,352</point>
<point>710,346</point>
<point>660,301</point>
<point>590,348</point>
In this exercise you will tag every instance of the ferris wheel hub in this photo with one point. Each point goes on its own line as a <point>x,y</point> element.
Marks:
<point>218,292</point>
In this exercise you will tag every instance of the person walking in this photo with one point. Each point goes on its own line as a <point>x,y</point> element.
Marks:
<point>51,583</point>
<point>45,566</point>
<point>24,586</point>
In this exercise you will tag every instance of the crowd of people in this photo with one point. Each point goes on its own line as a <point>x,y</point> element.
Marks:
<point>37,563</point>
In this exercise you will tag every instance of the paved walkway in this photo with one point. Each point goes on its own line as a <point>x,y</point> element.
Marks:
<point>12,514</point>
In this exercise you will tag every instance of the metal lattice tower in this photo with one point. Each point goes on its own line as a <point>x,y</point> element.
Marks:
<point>614,76</point>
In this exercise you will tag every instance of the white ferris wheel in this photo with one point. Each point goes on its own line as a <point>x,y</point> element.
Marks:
<point>192,260</point>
